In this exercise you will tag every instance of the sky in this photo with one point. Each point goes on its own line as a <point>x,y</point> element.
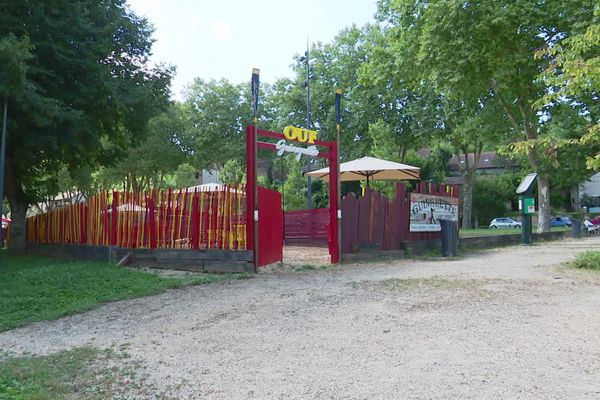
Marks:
<point>214,39</point>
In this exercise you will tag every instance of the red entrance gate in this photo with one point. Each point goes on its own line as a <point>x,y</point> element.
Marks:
<point>254,208</point>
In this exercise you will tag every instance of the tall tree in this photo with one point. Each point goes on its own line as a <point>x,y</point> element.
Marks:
<point>216,113</point>
<point>147,162</point>
<point>573,78</point>
<point>472,49</point>
<point>88,80</point>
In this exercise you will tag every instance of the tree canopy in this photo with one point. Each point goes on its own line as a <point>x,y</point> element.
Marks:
<point>84,81</point>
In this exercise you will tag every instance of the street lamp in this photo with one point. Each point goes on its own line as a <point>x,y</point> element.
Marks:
<point>2,160</point>
<point>305,59</point>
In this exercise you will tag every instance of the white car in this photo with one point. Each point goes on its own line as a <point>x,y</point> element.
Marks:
<point>501,223</point>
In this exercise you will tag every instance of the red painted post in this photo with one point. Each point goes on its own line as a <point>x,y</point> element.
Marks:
<point>251,191</point>
<point>195,222</point>
<point>113,230</point>
<point>151,221</point>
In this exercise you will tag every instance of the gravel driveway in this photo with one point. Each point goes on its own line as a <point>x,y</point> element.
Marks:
<point>502,324</point>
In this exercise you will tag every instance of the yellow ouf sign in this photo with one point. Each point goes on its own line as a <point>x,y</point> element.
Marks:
<point>300,135</point>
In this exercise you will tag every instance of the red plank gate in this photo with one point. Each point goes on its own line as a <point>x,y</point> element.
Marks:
<point>270,229</point>
<point>307,227</point>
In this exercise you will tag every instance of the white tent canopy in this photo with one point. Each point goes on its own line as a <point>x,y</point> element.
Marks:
<point>368,168</point>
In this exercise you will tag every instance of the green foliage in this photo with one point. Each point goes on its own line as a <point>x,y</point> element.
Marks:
<point>434,168</point>
<point>184,176</point>
<point>574,78</point>
<point>587,260</point>
<point>478,57</point>
<point>492,194</point>
<point>14,55</point>
<point>215,114</point>
<point>232,173</point>
<point>35,288</point>
<point>75,91</point>
<point>320,193</point>
<point>147,162</point>
<point>294,187</point>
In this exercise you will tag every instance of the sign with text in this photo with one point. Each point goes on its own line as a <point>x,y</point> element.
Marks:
<point>426,210</point>
<point>298,135</point>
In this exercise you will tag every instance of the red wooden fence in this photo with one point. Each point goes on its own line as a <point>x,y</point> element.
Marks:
<point>155,219</point>
<point>307,227</point>
<point>372,220</point>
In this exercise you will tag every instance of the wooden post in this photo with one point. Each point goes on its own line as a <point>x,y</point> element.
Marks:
<point>334,209</point>
<point>251,194</point>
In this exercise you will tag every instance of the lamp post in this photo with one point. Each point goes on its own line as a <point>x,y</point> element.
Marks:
<point>2,151</point>
<point>305,59</point>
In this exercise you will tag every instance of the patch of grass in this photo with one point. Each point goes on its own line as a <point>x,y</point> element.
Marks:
<point>488,232</point>
<point>587,260</point>
<point>36,288</point>
<point>485,231</point>
<point>310,267</point>
<point>85,373</point>
<point>428,283</point>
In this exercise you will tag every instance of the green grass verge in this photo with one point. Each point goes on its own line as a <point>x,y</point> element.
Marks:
<point>36,288</point>
<point>497,232</point>
<point>587,260</point>
<point>85,373</point>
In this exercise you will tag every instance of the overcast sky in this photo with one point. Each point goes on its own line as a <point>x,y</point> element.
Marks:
<point>214,39</point>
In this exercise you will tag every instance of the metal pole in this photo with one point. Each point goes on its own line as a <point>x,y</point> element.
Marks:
<point>338,127</point>
<point>283,197</point>
<point>309,166</point>
<point>2,152</point>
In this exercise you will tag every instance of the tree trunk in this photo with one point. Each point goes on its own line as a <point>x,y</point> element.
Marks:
<point>467,209</point>
<point>543,182</point>
<point>17,242</point>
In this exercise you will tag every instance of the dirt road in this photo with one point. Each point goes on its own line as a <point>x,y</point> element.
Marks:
<point>501,324</point>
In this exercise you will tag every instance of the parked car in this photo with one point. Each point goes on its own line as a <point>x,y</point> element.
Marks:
<point>560,221</point>
<point>502,223</point>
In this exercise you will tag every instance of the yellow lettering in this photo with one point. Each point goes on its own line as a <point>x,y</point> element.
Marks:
<point>299,134</point>
<point>289,132</point>
<point>303,135</point>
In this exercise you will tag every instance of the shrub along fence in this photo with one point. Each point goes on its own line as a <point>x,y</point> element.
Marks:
<point>158,219</point>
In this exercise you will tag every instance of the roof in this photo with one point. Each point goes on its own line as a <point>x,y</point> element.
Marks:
<point>488,160</point>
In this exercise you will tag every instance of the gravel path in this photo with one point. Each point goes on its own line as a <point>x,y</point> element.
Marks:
<point>507,323</point>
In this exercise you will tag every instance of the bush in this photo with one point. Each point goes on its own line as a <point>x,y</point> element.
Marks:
<point>491,196</point>
<point>587,260</point>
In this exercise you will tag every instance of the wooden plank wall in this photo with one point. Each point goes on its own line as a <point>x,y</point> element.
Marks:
<point>307,227</point>
<point>373,221</point>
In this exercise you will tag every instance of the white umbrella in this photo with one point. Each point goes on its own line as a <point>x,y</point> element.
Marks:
<point>367,168</point>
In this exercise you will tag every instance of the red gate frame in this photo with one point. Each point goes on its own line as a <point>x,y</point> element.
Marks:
<point>252,201</point>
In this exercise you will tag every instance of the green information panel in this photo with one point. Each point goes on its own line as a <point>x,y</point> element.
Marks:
<point>528,205</point>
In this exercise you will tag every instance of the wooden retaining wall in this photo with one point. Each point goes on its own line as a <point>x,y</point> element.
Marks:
<point>184,259</point>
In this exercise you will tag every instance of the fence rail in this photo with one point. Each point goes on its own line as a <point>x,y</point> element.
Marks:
<point>154,219</point>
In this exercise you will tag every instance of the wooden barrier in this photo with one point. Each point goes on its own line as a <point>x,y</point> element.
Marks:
<point>372,221</point>
<point>307,227</point>
<point>165,219</point>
